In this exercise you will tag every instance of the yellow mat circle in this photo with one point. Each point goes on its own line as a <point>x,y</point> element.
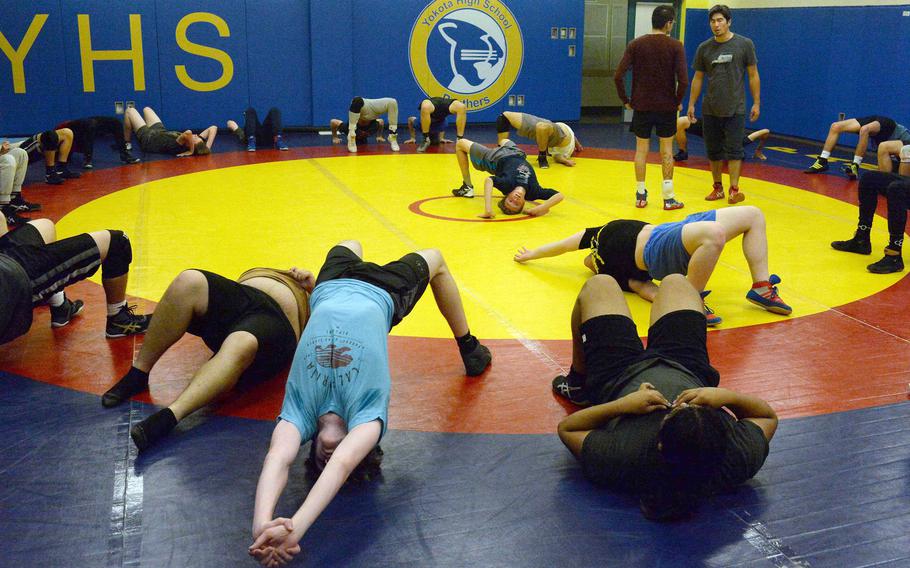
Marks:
<point>289,213</point>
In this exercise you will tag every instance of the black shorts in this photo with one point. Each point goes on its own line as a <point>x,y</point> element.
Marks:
<point>52,267</point>
<point>887,127</point>
<point>404,279</point>
<point>612,345</point>
<point>23,235</point>
<point>724,136</point>
<point>362,132</point>
<point>235,307</point>
<point>644,121</point>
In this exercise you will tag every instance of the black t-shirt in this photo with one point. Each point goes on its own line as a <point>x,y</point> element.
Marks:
<point>623,453</point>
<point>613,245</point>
<point>513,171</point>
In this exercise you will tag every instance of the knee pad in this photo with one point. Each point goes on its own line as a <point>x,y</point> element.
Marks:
<point>502,123</point>
<point>356,104</point>
<point>119,256</point>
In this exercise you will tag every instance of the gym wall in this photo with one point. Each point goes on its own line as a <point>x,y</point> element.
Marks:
<point>199,63</point>
<point>820,60</point>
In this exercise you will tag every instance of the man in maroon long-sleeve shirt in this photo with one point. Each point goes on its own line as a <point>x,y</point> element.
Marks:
<point>659,82</point>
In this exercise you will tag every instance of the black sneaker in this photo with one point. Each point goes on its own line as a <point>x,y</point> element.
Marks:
<point>126,323</point>
<point>542,162</point>
<point>12,216</point>
<point>575,395</point>
<point>477,360</point>
<point>856,245</point>
<point>68,174</point>
<point>20,204</point>
<point>87,163</point>
<point>681,156</point>
<point>851,170</point>
<point>888,264</point>
<point>128,158</point>
<point>53,178</point>
<point>817,167</point>
<point>424,145</point>
<point>62,314</point>
<point>464,191</point>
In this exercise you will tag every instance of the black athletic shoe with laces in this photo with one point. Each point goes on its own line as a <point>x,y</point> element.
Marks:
<point>62,314</point>
<point>576,395</point>
<point>12,216</point>
<point>856,245</point>
<point>126,322</point>
<point>888,264</point>
<point>20,204</point>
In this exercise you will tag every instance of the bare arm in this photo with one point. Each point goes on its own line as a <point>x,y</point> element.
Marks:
<point>694,93</point>
<point>349,453</point>
<point>573,429</point>
<point>755,89</point>
<point>487,199</point>
<point>545,207</point>
<point>557,248</point>
<point>647,290</point>
<point>282,452</point>
<point>744,406</point>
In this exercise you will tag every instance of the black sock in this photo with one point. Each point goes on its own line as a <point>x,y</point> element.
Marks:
<point>863,232</point>
<point>896,244</point>
<point>466,343</point>
<point>153,428</point>
<point>132,383</point>
<point>426,135</point>
<point>62,166</point>
<point>542,153</point>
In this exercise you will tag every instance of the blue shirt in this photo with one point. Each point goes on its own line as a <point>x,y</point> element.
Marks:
<point>342,361</point>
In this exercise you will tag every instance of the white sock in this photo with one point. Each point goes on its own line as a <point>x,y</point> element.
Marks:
<point>640,187</point>
<point>857,160</point>
<point>57,299</point>
<point>667,189</point>
<point>824,155</point>
<point>114,309</point>
<point>353,117</point>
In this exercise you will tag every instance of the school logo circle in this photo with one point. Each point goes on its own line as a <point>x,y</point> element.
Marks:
<point>469,49</point>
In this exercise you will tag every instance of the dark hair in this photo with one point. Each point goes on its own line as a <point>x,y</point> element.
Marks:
<point>367,470</point>
<point>721,9</point>
<point>201,148</point>
<point>662,15</point>
<point>504,209</point>
<point>692,442</point>
<point>49,140</point>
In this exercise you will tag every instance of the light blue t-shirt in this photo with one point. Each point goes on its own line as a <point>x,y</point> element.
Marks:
<point>342,361</point>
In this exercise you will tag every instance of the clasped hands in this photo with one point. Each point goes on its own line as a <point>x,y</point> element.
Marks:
<point>648,399</point>
<point>275,543</point>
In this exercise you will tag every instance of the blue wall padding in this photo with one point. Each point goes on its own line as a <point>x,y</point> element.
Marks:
<point>817,62</point>
<point>308,57</point>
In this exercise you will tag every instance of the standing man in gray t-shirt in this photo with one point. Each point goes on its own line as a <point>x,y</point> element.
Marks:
<point>725,58</point>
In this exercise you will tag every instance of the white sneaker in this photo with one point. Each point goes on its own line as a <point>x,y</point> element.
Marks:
<point>393,141</point>
<point>352,144</point>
